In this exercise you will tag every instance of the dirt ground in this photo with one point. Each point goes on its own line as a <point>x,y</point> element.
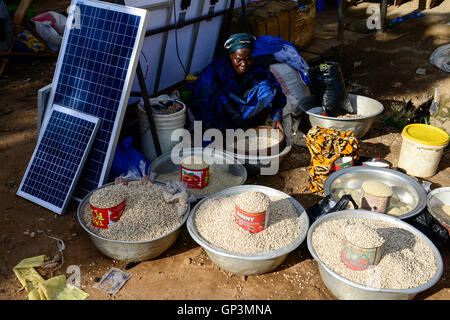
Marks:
<point>387,72</point>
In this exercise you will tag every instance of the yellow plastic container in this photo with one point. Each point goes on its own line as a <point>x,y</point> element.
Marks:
<point>421,149</point>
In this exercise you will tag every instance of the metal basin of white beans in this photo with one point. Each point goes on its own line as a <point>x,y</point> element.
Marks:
<point>130,251</point>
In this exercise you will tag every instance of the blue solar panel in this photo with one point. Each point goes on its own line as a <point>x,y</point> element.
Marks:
<point>94,74</point>
<point>58,158</point>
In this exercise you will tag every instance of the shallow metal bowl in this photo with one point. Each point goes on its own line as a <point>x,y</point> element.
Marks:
<point>255,164</point>
<point>439,197</point>
<point>345,289</point>
<point>252,264</point>
<point>367,107</point>
<point>406,188</point>
<point>130,251</point>
<point>164,164</point>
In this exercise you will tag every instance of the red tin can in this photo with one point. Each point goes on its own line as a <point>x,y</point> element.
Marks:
<point>106,217</point>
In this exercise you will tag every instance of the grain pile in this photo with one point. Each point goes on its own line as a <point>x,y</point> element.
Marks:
<point>363,236</point>
<point>216,223</point>
<point>108,197</point>
<point>253,144</point>
<point>407,261</point>
<point>396,206</point>
<point>219,179</point>
<point>252,202</point>
<point>146,215</point>
<point>377,189</point>
<point>194,163</point>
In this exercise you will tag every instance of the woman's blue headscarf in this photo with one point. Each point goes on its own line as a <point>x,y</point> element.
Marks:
<point>239,41</point>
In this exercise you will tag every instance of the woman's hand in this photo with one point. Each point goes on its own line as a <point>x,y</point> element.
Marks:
<point>277,124</point>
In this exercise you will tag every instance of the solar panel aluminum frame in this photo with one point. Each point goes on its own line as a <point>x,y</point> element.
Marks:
<point>134,60</point>
<point>75,113</point>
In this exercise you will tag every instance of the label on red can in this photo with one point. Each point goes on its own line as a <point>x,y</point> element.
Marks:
<point>253,222</point>
<point>195,179</point>
<point>105,218</point>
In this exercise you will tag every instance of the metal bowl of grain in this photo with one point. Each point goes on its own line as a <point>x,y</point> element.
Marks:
<point>225,171</point>
<point>129,251</point>
<point>263,141</point>
<point>438,205</point>
<point>410,197</point>
<point>366,107</point>
<point>264,164</point>
<point>250,263</point>
<point>384,281</point>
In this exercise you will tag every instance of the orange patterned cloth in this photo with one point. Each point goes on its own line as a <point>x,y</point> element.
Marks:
<point>325,146</point>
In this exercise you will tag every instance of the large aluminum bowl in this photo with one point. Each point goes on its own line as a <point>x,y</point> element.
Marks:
<point>345,289</point>
<point>256,164</point>
<point>164,164</point>
<point>405,187</point>
<point>130,251</point>
<point>253,264</point>
<point>367,107</point>
<point>439,197</point>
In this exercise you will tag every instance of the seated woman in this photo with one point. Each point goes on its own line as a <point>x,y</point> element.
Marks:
<point>235,91</point>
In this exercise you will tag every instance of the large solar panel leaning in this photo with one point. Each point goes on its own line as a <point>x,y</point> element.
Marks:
<point>61,151</point>
<point>94,73</point>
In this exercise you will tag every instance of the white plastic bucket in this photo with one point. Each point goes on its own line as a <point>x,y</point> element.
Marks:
<point>421,149</point>
<point>419,160</point>
<point>165,125</point>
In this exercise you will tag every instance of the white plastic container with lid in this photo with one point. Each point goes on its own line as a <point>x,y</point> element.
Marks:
<point>421,149</point>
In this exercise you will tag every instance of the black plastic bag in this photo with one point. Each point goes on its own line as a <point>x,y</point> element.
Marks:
<point>328,205</point>
<point>328,90</point>
<point>424,221</point>
<point>429,226</point>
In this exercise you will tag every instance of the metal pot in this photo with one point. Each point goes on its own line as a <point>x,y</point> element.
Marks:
<point>164,164</point>
<point>405,187</point>
<point>130,251</point>
<point>367,107</point>
<point>254,164</point>
<point>439,197</point>
<point>252,264</point>
<point>345,289</point>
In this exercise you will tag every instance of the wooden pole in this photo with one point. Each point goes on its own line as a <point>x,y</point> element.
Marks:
<point>340,34</point>
<point>383,12</point>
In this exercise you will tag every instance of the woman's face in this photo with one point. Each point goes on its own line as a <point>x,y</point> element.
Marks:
<point>242,59</point>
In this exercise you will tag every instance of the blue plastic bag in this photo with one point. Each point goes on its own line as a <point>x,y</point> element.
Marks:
<point>127,159</point>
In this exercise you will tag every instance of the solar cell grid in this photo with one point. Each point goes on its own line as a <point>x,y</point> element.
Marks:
<point>95,68</point>
<point>58,158</point>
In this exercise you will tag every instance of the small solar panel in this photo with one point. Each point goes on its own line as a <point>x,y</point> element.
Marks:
<point>63,145</point>
<point>94,73</point>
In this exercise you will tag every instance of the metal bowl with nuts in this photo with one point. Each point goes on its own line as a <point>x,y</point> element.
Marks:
<point>248,264</point>
<point>130,251</point>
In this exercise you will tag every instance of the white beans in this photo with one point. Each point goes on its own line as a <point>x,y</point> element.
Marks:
<point>376,188</point>
<point>146,215</point>
<point>252,202</point>
<point>407,261</point>
<point>110,197</point>
<point>215,222</point>
<point>194,163</point>
<point>363,236</point>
